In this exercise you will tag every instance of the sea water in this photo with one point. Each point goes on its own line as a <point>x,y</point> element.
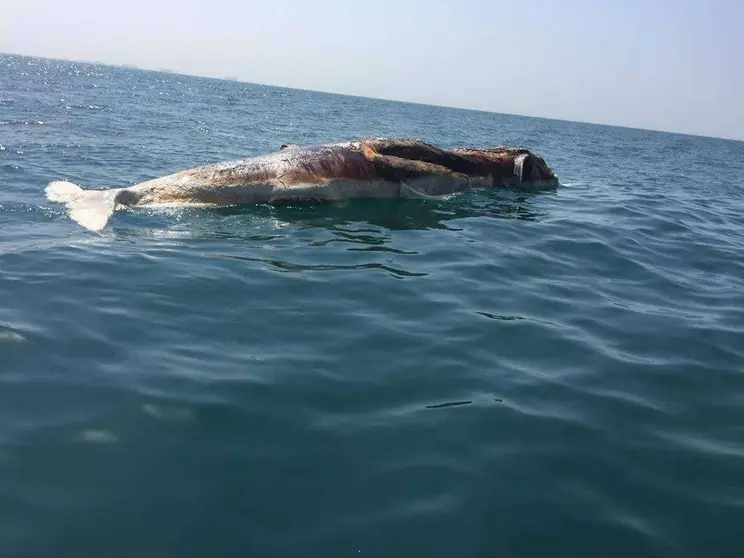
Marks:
<point>501,373</point>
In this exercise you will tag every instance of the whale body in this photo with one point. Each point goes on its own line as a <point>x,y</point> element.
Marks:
<point>367,168</point>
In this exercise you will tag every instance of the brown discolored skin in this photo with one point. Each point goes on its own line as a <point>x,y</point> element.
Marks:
<point>366,168</point>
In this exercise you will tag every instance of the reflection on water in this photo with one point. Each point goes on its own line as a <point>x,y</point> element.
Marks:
<point>405,214</point>
<point>270,235</point>
<point>389,214</point>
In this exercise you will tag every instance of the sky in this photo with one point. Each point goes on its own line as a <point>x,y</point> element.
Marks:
<point>654,64</point>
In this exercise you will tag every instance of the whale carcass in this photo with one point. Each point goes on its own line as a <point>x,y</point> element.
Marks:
<point>367,168</point>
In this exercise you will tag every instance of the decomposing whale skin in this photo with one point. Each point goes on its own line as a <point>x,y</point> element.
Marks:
<point>367,168</point>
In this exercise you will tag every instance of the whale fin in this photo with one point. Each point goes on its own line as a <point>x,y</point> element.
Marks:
<point>89,208</point>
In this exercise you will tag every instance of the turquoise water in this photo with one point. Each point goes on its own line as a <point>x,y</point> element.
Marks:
<point>504,373</point>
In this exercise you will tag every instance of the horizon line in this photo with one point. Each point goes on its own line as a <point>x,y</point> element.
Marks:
<point>233,79</point>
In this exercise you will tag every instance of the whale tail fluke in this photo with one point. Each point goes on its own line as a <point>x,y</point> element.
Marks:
<point>89,208</point>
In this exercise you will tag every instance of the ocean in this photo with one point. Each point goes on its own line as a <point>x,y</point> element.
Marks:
<point>504,373</point>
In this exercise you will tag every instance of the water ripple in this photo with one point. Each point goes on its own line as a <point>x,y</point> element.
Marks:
<point>504,372</point>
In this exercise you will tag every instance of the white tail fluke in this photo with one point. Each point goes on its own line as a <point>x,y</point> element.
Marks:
<point>89,208</point>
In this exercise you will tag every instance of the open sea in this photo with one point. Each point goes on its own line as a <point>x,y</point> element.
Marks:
<point>498,374</point>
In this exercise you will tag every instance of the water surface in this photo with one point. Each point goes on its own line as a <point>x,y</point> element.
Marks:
<point>502,373</point>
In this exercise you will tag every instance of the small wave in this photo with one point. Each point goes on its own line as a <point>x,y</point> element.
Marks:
<point>167,413</point>
<point>499,316</point>
<point>449,404</point>
<point>11,337</point>
<point>704,444</point>
<point>97,437</point>
<point>20,122</point>
<point>86,107</point>
<point>291,267</point>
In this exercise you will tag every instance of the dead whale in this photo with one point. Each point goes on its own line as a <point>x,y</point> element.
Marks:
<point>367,168</point>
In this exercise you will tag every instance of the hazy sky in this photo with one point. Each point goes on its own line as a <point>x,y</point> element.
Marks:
<point>660,64</point>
